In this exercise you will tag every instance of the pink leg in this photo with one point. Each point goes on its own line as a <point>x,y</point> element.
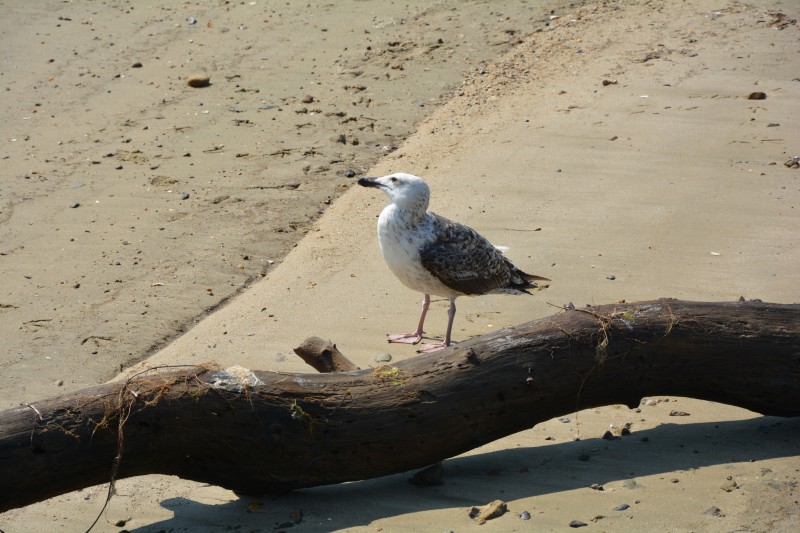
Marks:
<point>451,314</point>
<point>413,338</point>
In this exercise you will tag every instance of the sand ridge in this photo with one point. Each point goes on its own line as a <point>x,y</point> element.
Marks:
<point>132,204</point>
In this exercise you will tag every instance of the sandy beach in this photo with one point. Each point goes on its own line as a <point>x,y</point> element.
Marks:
<point>133,205</point>
<point>614,148</point>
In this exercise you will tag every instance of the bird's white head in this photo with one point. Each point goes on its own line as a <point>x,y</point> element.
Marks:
<point>404,190</point>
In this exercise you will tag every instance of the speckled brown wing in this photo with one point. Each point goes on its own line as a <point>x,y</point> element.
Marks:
<point>464,260</point>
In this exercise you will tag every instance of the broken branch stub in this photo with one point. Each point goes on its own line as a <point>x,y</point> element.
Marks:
<point>324,356</point>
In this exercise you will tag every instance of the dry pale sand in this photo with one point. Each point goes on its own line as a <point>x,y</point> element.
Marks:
<point>669,179</point>
<point>131,204</point>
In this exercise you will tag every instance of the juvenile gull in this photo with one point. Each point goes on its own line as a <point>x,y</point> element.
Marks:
<point>433,255</point>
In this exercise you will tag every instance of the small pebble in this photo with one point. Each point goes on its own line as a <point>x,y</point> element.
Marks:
<point>185,196</point>
<point>75,205</point>
<point>564,420</point>
<point>382,358</point>
<point>757,96</point>
<point>612,277</point>
<point>307,99</point>
<point>191,20</point>
<point>198,80</point>
<point>577,523</point>
<point>596,486</point>
<point>489,511</point>
<point>651,402</point>
<point>350,173</point>
<point>138,64</point>
<point>429,477</point>
<point>59,382</point>
<point>713,511</point>
<point>525,515</point>
<point>621,507</point>
<point>678,413</point>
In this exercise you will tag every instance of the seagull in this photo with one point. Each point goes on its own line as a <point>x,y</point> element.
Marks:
<point>436,256</point>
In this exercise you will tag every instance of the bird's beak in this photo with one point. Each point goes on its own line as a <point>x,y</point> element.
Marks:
<point>367,181</point>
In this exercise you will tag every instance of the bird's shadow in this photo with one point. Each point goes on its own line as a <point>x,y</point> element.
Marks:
<point>507,474</point>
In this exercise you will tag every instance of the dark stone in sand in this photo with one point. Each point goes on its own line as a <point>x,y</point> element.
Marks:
<point>428,477</point>
<point>713,511</point>
<point>198,81</point>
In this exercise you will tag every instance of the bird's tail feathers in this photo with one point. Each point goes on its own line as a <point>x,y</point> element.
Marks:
<point>533,277</point>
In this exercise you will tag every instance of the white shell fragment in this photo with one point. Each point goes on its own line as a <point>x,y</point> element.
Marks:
<point>234,378</point>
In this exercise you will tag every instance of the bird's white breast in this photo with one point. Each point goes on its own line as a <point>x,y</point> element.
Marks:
<point>401,235</point>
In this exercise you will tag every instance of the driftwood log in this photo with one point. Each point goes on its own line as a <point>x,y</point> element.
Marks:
<point>259,432</point>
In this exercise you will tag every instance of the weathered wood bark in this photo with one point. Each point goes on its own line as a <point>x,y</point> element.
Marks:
<point>301,430</point>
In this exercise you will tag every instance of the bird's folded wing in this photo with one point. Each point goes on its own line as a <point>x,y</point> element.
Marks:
<point>469,266</point>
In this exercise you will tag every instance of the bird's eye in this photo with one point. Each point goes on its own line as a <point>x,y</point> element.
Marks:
<point>394,180</point>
